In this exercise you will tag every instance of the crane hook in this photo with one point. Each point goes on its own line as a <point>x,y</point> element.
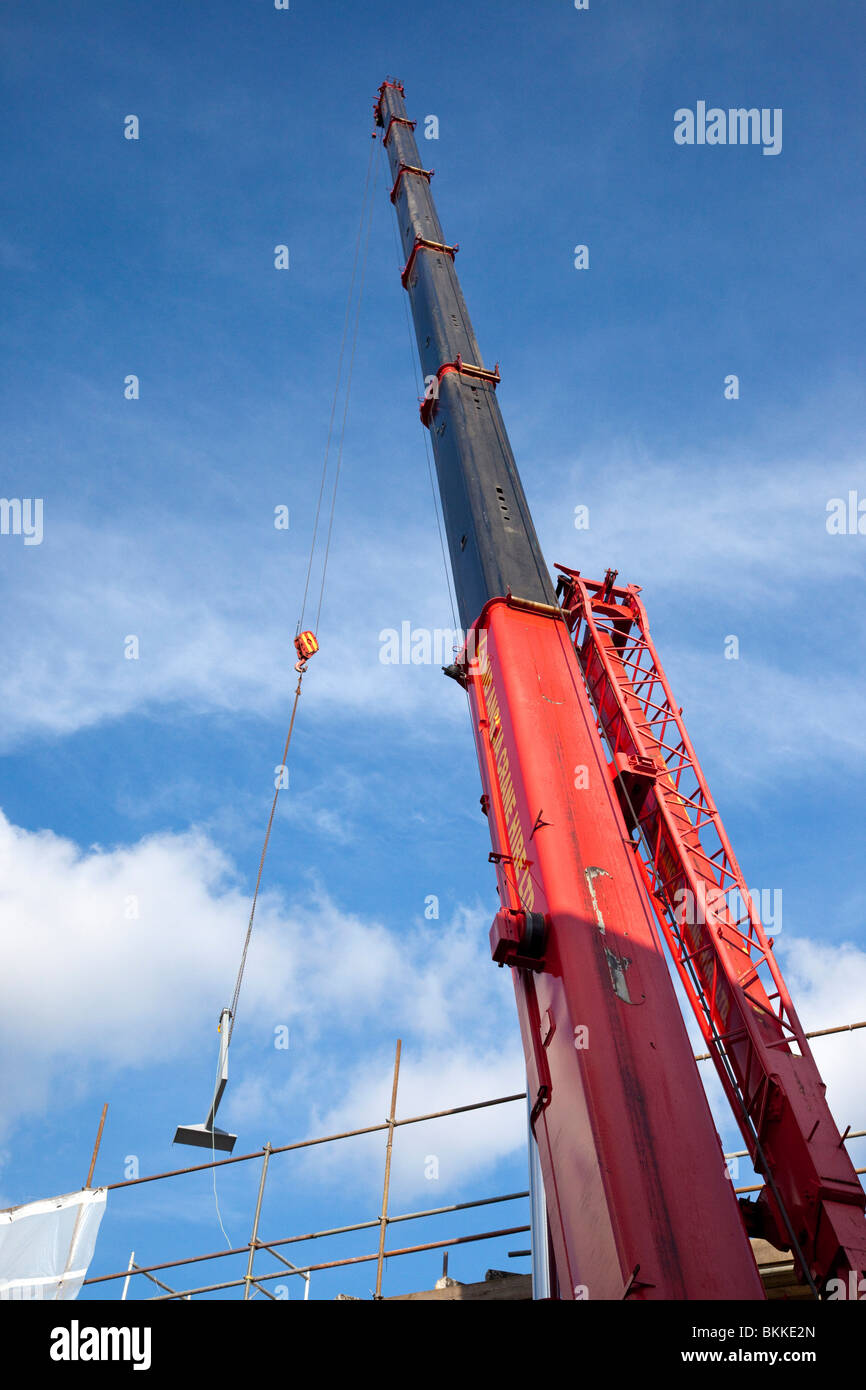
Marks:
<point>306,646</point>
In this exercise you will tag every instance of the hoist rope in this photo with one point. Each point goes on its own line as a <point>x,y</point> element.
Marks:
<point>348,386</point>
<point>239,981</point>
<point>366,212</point>
<point>337,387</point>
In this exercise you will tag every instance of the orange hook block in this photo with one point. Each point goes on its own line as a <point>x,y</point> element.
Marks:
<point>306,646</point>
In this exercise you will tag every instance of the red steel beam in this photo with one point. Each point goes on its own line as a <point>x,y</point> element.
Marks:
<point>812,1201</point>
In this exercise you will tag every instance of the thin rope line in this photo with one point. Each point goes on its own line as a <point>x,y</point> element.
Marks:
<point>346,402</point>
<point>366,212</point>
<point>235,996</point>
<point>337,386</point>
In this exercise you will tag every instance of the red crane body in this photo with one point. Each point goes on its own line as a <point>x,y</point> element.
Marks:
<point>619,1113</point>
<point>597,840</point>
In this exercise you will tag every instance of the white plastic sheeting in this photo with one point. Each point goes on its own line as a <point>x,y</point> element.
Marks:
<point>45,1247</point>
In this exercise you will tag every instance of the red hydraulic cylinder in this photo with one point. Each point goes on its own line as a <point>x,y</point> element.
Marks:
<point>640,1205</point>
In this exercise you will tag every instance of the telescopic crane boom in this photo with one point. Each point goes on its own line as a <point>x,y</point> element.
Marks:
<point>590,849</point>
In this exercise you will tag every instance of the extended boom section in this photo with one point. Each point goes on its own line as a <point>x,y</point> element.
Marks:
<point>639,1201</point>
<point>491,539</point>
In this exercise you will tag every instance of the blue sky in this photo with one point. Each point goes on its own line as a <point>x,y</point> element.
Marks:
<point>153,778</point>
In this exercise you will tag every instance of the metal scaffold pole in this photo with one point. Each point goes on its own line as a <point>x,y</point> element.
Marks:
<point>249,1274</point>
<point>383,1220</point>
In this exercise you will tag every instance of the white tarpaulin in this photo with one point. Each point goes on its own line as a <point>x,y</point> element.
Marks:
<point>45,1247</point>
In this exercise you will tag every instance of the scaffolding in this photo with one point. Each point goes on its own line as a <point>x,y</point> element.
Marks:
<point>255,1281</point>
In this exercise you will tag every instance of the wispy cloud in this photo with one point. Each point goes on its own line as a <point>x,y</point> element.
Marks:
<point>707,554</point>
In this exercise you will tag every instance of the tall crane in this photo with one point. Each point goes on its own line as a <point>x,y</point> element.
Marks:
<point>607,846</point>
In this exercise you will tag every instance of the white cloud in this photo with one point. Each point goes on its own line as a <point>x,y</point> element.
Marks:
<point>718,547</point>
<point>754,721</point>
<point>828,986</point>
<point>89,991</point>
<point>215,639</point>
<point>210,644</point>
<point>212,637</point>
<point>710,526</point>
<point>85,986</point>
<point>429,1160</point>
<point>827,982</point>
